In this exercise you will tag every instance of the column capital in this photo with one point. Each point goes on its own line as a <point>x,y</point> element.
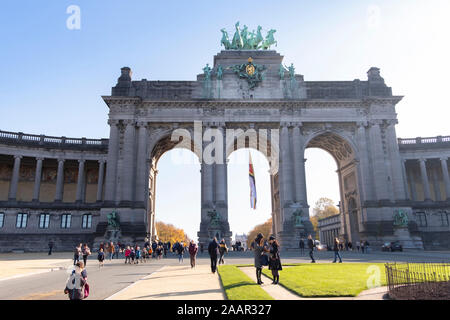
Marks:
<point>362,124</point>
<point>141,124</point>
<point>112,122</point>
<point>375,122</point>
<point>443,158</point>
<point>60,160</point>
<point>129,122</point>
<point>81,160</point>
<point>422,160</point>
<point>391,122</point>
<point>17,156</point>
<point>297,124</point>
<point>40,158</point>
<point>102,161</point>
<point>285,124</point>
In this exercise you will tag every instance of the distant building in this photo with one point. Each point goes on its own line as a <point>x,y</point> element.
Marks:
<point>243,239</point>
<point>329,229</point>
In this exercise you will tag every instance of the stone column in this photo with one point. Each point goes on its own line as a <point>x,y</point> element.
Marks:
<point>396,165</point>
<point>37,179</point>
<point>141,174</point>
<point>412,183</point>
<point>221,172</point>
<point>446,177</point>
<point>299,165</point>
<point>15,179</point>
<point>101,175</point>
<point>379,166</point>
<point>367,187</point>
<point>405,180</point>
<point>127,174</point>
<point>80,182</point>
<point>436,186</point>
<point>285,161</point>
<point>60,181</point>
<point>111,167</point>
<point>425,183</point>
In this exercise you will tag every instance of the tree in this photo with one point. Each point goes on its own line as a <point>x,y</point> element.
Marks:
<point>265,229</point>
<point>168,232</point>
<point>323,208</point>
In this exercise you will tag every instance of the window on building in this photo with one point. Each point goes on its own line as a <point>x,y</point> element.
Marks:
<point>2,219</point>
<point>21,221</point>
<point>66,219</point>
<point>444,219</point>
<point>44,220</point>
<point>86,222</point>
<point>421,219</point>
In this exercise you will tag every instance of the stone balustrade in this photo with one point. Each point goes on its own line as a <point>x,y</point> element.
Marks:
<point>20,138</point>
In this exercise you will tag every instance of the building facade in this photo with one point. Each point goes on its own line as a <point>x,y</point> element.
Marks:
<point>62,189</point>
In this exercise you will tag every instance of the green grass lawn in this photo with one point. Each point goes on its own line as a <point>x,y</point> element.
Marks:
<point>328,279</point>
<point>238,286</point>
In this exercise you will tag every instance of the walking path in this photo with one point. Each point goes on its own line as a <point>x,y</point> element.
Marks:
<point>24,264</point>
<point>278,292</point>
<point>175,283</point>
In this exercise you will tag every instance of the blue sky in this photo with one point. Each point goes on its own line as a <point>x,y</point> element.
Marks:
<point>53,78</point>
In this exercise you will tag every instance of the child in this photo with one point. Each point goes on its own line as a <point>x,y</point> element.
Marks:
<point>138,255</point>
<point>127,255</point>
<point>100,258</point>
<point>132,255</point>
<point>144,255</point>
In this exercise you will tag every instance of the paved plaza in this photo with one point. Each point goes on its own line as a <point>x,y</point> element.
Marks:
<point>37,276</point>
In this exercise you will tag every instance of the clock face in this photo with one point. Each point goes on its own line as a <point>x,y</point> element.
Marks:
<point>250,69</point>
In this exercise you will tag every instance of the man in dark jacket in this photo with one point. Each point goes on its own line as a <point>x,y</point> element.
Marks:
<point>311,246</point>
<point>301,245</point>
<point>213,250</point>
<point>336,248</point>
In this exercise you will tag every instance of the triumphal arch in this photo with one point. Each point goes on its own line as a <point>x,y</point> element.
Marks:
<point>247,98</point>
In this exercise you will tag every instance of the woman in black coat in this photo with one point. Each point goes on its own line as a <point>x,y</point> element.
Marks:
<point>274,261</point>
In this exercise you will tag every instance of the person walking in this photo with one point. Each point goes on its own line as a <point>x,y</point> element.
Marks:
<point>336,249</point>
<point>76,285</point>
<point>100,258</point>
<point>258,250</point>
<point>86,252</point>
<point>76,254</point>
<point>180,252</point>
<point>50,247</point>
<point>111,250</point>
<point>274,260</point>
<point>132,255</point>
<point>117,250</point>
<point>357,245</point>
<point>201,248</point>
<point>138,255</point>
<point>311,246</point>
<point>362,246</point>
<point>193,248</point>
<point>301,245</point>
<point>222,250</point>
<point>213,250</point>
<point>127,255</point>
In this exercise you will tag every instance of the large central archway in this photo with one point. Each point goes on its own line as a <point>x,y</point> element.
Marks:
<point>342,150</point>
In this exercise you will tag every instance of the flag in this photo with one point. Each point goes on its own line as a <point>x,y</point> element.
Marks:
<point>251,177</point>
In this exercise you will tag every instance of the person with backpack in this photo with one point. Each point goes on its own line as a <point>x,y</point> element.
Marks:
<point>132,255</point>
<point>193,248</point>
<point>311,246</point>
<point>213,250</point>
<point>100,258</point>
<point>86,252</point>
<point>222,250</point>
<point>76,285</point>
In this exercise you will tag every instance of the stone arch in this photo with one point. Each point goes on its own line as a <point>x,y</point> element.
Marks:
<point>345,153</point>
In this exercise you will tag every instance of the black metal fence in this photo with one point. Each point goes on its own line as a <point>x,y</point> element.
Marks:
<point>417,280</point>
